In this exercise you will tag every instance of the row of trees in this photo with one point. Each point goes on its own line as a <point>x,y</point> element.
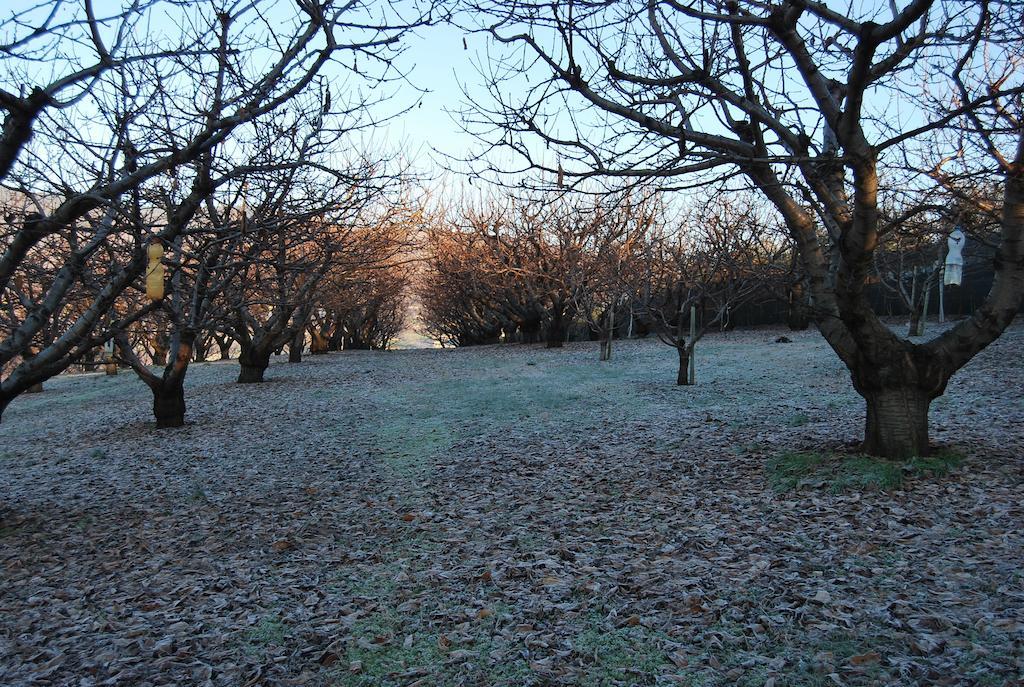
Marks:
<point>522,269</point>
<point>227,139</point>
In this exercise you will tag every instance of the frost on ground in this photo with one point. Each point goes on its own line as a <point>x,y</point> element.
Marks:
<point>507,516</point>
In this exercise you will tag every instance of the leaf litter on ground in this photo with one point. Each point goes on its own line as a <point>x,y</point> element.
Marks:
<point>508,515</point>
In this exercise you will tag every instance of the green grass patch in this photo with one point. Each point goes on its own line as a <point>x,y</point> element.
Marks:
<point>378,653</point>
<point>389,649</point>
<point>269,630</point>
<point>839,472</point>
<point>625,655</point>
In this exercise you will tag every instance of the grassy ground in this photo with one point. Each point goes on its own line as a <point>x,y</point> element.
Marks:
<point>513,516</point>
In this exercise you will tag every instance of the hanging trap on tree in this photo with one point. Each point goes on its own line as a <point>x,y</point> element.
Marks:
<point>155,272</point>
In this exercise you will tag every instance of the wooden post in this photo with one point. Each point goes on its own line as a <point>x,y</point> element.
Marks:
<point>942,294</point>
<point>692,374</point>
<point>924,314</point>
<point>611,333</point>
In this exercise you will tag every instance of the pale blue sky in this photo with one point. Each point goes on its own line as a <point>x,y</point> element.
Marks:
<point>438,62</point>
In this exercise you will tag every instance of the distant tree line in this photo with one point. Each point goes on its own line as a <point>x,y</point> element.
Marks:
<point>534,268</point>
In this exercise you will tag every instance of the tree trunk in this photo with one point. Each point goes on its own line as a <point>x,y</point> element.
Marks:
<point>201,349</point>
<point>556,331</point>
<point>253,364</point>
<point>897,422</point>
<point>295,347</point>
<point>798,317</point>
<point>606,344</point>
<point>336,341</point>
<point>224,347</point>
<point>916,328</point>
<point>318,343</point>
<point>898,382</point>
<point>683,376</point>
<point>530,331</point>
<point>169,405</point>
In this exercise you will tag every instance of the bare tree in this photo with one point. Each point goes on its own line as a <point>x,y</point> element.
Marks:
<point>715,260</point>
<point>89,148</point>
<point>522,264</point>
<point>456,291</point>
<point>295,238</point>
<point>792,98</point>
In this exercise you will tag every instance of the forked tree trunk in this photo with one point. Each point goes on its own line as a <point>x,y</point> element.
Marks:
<point>253,364</point>
<point>169,404</point>
<point>898,383</point>
<point>897,423</point>
<point>169,389</point>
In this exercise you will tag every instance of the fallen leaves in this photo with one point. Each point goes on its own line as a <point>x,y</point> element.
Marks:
<point>424,522</point>
<point>865,659</point>
<point>822,596</point>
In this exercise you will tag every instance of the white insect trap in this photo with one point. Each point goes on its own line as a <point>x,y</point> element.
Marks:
<point>954,258</point>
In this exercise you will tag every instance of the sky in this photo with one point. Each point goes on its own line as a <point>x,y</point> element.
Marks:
<point>438,64</point>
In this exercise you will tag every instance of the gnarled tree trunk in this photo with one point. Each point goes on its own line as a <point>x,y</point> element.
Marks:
<point>253,364</point>
<point>169,403</point>
<point>168,389</point>
<point>295,346</point>
<point>897,422</point>
<point>898,381</point>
